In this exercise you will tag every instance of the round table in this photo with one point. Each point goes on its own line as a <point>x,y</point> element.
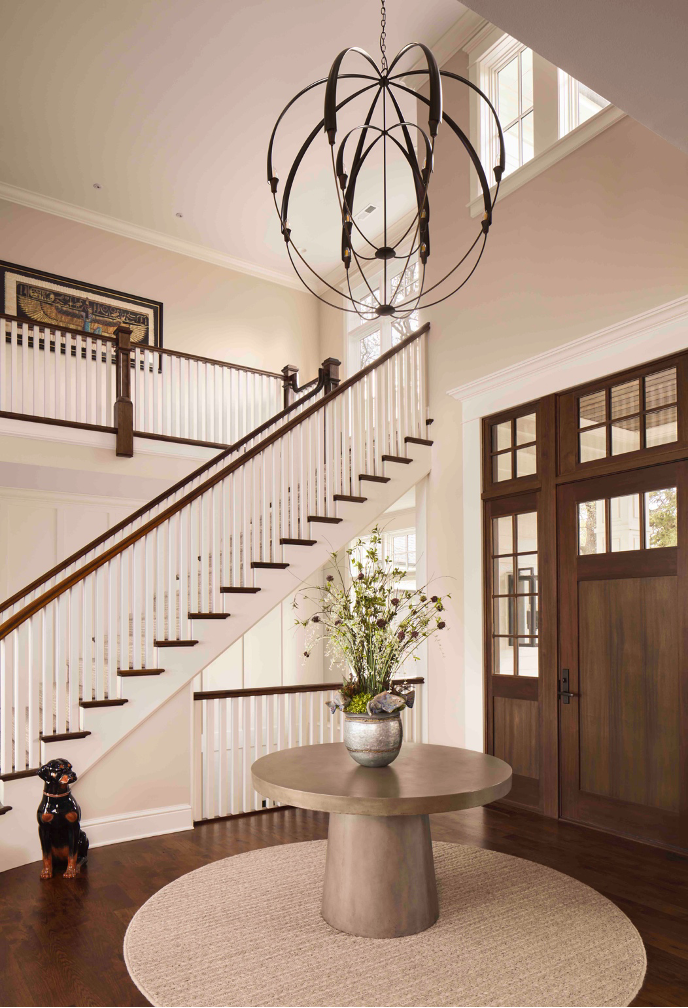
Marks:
<point>379,872</point>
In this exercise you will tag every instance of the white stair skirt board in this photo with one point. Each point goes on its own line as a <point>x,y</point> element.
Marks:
<point>137,825</point>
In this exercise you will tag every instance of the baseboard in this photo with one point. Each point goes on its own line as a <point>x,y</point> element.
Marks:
<point>137,825</point>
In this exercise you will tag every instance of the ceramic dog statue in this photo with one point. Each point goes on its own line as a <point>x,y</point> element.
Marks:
<point>58,817</point>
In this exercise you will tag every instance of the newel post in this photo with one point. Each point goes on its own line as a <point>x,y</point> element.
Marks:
<point>289,384</point>
<point>330,371</point>
<point>124,407</point>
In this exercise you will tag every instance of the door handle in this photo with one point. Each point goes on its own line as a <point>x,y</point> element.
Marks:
<point>563,691</point>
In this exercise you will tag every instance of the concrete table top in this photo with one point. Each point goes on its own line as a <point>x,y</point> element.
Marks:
<point>422,779</point>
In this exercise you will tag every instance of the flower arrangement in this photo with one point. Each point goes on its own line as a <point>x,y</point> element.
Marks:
<point>371,627</point>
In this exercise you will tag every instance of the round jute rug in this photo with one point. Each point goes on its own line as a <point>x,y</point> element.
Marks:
<point>247,931</point>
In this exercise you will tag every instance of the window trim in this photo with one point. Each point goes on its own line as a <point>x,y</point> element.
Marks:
<point>485,54</point>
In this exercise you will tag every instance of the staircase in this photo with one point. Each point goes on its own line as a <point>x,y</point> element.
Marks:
<point>95,649</point>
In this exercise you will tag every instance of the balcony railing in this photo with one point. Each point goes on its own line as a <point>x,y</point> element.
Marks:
<point>233,728</point>
<point>105,383</point>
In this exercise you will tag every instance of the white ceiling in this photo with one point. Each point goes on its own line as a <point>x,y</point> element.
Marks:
<point>634,52</point>
<point>168,106</point>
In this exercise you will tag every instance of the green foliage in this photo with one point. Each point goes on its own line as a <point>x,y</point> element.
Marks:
<point>359,703</point>
<point>371,624</point>
<point>662,518</point>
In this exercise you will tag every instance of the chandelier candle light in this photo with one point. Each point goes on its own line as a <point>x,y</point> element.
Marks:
<point>372,627</point>
<point>384,126</point>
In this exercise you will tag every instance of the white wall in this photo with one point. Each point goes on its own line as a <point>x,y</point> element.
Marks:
<point>207,310</point>
<point>598,237</point>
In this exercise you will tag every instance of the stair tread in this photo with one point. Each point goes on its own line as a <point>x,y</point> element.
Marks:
<point>18,774</point>
<point>139,671</point>
<point>374,479</point>
<point>325,518</point>
<point>298,542</point>
<point>175,643</point>
<point>209,615</point>
<point>397,458</point>
<point>268,565</point>
<point>118,702</point>
<point>5,808</point>
<point>64,736</point>
<point>417,440</point>
<point>350,497</point>
<point>240,589</point>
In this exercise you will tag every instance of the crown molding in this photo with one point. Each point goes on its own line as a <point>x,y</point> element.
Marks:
<point>126,229</point>
<point>652,334</point>
<point>461,35</point>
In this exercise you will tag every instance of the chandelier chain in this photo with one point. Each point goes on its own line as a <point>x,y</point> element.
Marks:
<point>383,38</point>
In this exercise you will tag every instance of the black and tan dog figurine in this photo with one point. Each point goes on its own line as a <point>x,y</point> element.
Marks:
<point>58,817</point>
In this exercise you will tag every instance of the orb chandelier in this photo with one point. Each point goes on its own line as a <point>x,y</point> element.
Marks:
<point>384,130</point>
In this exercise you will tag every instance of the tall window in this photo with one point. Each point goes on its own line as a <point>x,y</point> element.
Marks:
<point>515,108</point>
<point>577,103</point>
<point>536,102</point>
<point>371,336</point>
<point>399,548</point>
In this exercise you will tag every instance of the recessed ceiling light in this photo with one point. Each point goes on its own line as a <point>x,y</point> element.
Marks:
<point>97,185</point>
<point>179,215</point>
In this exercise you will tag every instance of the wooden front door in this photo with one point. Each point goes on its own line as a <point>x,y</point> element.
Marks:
<point>623,593</point>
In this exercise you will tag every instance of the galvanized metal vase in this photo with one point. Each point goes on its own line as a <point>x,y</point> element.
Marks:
<point>373,740</point>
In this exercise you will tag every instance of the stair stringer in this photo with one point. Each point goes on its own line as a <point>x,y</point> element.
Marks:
<point>110,726</point>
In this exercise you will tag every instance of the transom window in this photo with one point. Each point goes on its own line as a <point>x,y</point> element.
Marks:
<point>514,448</point>
<point>632,522</point>
<point>371,336</point>
<point>636,414</point>
<point>515,594</point>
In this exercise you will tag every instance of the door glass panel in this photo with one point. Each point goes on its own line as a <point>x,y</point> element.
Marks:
<point>626,399</point>
<point>661,427</point>
<point>528,569</point>
<point>660,518</point>
<point>526,525</point>
<point>625,523</point>
<point>528,656</point>
<point>625,436</point>
<point>660,388</point>
<point>525,428</point>
<point>503,656</point>
<point>503,577</point>
<point>592,409</point>
<point>504,615</point>
<point>526,462</point>
<point>501,467</point>
<point>592,444</point>
<point>501,436</point>
<point>502,533</point>
<point>527,614</point>
<point>591,528</point>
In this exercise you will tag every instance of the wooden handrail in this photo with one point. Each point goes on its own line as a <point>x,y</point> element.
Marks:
<point>145,346</point>
<point>52,593</point>
<point>273,690</point>
<point>104,536</point>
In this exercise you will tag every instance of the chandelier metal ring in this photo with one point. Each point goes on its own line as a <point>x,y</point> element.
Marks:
<point>394,130</point>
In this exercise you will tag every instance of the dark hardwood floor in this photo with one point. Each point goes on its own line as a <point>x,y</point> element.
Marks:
<point>62,941</point>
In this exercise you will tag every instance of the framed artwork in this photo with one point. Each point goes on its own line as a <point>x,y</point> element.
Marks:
<point>74,304</point>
